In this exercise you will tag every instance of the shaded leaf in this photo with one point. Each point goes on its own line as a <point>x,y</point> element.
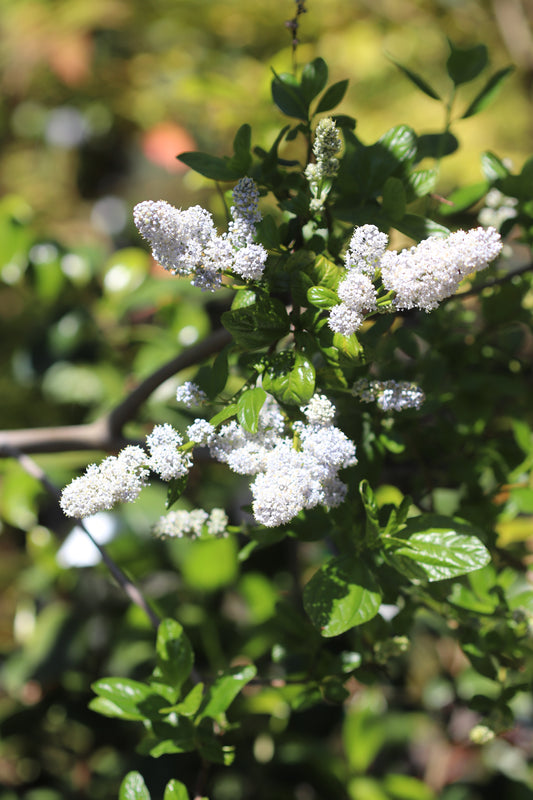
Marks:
<point>488,93</point>
<point>418,81</point>
<point>176,487</point>
<point>175,657</point>
<point>314,78</point>
<point>288,97</point>
<point>342,594</point>
<point>463,65</point>
<point>332,97</point>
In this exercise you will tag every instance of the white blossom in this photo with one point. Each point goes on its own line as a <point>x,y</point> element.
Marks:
<point>165,458</point>
<point>367,245</point>
<point>201,432</point>
<point>190,394</point>
<point>424,275</point>
<point>118,479</point>
<point>319,410</point>
<point>191,524</point>
<point>389,395</point>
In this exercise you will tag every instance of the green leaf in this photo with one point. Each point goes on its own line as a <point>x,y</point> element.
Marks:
<point>438,549</point>
<point>332,97</point>
<point>133,787</point>
<point>401,141</point>
<point>394,198</point>
<point>348,346</point>
<point>321,297</point>
<point>314,78</point>
<point>175,657</point>
<point>176,487</point>
<point>288,96</point>
<point>267,233</point>
<point>342,594</point>
<point>463,198</point>
<point>417,80</point>
<point>175,790</point>
<point>493,167</point>
<point>106,707</point>
<point>488,93</point>
<point>373,531</point>
<point>128,695</point>
<point>190,703</point>
<point>419,228</point>
<point>422,181</point>
<point>258,325</point>
<point>436,145</point>
<point>225,689</point>
<point>242,158</point>
<point>465,65</point>
<point>290,377</point>
<point>222,416</point>
<point>212,379</point>
<point>218,169</point>
<point>248,408</point>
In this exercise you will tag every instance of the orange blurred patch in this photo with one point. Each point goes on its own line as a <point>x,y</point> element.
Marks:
<point>162,143</point>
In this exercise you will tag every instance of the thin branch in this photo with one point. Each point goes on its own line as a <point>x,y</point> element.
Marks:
<point>31,468</point>
<point>105,433</point>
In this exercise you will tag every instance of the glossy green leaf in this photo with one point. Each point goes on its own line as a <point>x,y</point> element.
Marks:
<point>248,408</point>
<point>190,703</point>
<point>332,97</point>
<point>242,158</point>
<point>418,81</point>
<point>314,78</point>
<point>493,167</point>
<point>463,65</point>
<point>222,416</point>
<point>175,790</point>
<point>258,325</point>
<point>422,181</point>
<point>175,657</point>
<point>321,297</point>
<point>107,708</point>
<point>401,142</point>
<point>290,377</point>
<point>439,550</point>
<point>287,95</point>
<point>342,594</point>
<point>488,93</point>
<point>128,695</point>
<point>133,787</point>
<point>221,694</point>
<point>349,347</point>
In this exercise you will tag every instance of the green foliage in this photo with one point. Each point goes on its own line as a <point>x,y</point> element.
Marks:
<point>303,641</point>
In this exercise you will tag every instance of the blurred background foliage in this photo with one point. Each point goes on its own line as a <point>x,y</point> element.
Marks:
<point>97,100</point>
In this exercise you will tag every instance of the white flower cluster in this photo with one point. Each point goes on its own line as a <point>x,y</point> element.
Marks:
<point>191,524</point>
<point>119,479</point>
<point>497,209</point>
<point>186,242</point>
<point>288,479</point>
<point>166,459</point>
<point>424,275</point>
<point>419,277</point>
<point>389,395</point>
<point>190,394</point>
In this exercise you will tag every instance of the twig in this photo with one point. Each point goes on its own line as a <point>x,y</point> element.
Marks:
<point>105,433</point>
<point>31,468</point>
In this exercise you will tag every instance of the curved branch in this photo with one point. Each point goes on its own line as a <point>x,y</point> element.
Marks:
<point>31,468</point>
<point>105,433</point>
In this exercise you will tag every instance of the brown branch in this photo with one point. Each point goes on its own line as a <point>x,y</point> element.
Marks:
<point>31,468</point>
<point>105,433</point>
